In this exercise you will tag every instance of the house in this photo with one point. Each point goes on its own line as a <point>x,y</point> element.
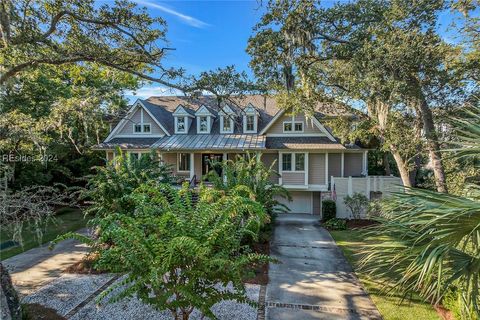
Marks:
<point>187,132</point>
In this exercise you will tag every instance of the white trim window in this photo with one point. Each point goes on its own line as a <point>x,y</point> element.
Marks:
<point>183,162</point>
<point>250,123</point>
<point>203,124</point>
<point>181,125</point>
<point>293,126</point>
<point>293,162</point>
<point>226,124</point>
<point>142,127</point>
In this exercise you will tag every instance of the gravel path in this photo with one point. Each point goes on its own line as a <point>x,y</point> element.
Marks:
<point>69,293</point>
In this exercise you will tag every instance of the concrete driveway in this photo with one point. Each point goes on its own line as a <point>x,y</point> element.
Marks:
<point>313,280</point>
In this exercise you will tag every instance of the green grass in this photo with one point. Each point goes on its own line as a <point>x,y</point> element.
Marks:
<point>351,243</point>
<point>66,219</point>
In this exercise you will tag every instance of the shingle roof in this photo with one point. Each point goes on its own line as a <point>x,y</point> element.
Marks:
<point>211,142</point>
<point>127,143</point>
<point>315,143</point>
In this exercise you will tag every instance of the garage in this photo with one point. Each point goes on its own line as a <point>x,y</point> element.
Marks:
<point>301,202</point>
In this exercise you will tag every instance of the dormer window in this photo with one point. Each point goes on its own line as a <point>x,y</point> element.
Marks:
<point>142,127</point>
<point>250,123</point>
<point>203,127</point>
<point>204,120</point>
<point>227,116</point>
<point>183,119</point>
<point>181,124</point>
<point>250,120</point>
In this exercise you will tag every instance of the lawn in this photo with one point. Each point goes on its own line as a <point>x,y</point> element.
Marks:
<point>66,219</point>
<point>351,242</point>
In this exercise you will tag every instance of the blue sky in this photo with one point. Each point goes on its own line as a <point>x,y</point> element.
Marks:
<point>211,34</point>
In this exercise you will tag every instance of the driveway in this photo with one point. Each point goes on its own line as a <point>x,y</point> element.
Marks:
<point>313,280</point>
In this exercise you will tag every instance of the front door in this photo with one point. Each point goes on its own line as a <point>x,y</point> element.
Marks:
<point>211,161</point>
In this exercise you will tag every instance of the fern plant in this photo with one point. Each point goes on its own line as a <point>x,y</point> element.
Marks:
<point>250,171</point>
<point>179,254</point>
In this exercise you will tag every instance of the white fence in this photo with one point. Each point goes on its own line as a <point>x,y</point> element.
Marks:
<point>370,186</point>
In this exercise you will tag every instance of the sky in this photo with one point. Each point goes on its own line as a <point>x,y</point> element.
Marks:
<point>211,34</point>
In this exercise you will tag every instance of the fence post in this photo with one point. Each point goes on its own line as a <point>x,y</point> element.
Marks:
<point>375,183</point>
<point>381,185</point>
<point>350,187</point>
<point>368,187</point>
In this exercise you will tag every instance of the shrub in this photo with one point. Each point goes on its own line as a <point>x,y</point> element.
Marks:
<point>357,204</point>
<point>177,254</point>
<point>251,172</point>
<point>336,224</point>
<point>329,210</point>
<point>374,209</point>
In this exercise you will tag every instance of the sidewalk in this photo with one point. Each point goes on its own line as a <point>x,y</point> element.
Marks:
<point>38,266</point>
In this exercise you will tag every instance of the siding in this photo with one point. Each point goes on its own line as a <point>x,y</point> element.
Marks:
<point>171,158</point>
<point>268,159</point>
<point>334,165</point>
<point>293,178</point>
<point>316,203</point>
<point>316,168</point>
<point>353,164</point>
<point>308,126</point>
<point>135,118</point>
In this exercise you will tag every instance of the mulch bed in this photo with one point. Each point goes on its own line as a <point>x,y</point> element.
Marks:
<point>445,314</point>
<point>360,223</point>
<point>84,266</point>
<point>35,311</point>
<point>261,271</point>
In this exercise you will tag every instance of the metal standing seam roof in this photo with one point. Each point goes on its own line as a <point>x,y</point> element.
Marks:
<point>211,142</point>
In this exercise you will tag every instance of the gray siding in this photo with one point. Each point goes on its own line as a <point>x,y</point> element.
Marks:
<point>293,178</point>
<point>353,164</point>
<point>316,168</point>
<point>135,118</point>
<point>334,165</point>
<point>197,165</point>
<point>316,203</point>
<point>308,126</point>
<point>268,159</point>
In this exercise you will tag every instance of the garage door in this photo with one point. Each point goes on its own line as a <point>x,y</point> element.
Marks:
<point>301,202</point>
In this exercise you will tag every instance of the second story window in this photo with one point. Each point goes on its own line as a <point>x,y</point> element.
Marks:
<point>293,126</point>
<point>137,128</point>
<point>146,128</point>
<point>250,126</point>
<point>226,124</point>
<point>142,126</point>
<point>293,162</point>
<point>203,124</point>
<point>181,124</point>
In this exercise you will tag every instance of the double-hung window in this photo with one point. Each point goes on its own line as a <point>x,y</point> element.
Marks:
<point>203,124</point>
<point>183,162</point>
<point>181,124</point>
<point>293,161</point>
<point>250,126</point>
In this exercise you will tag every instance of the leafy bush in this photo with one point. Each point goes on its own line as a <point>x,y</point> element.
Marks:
<point>251,172</point>
<point>329,210</point>
<point>109,188</point>
<point>178,254</point>
<point>357,204</point>
<point>336,224</point>
<point>374,209</point>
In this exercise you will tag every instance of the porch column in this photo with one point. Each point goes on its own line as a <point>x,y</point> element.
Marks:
<point>326,169</point>
<point>225,158</point>
<point>364,164</point>
<point>192,166</point>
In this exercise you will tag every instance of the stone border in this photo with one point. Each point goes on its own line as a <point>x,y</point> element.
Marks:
<point>261,302</point>
<point>370,313</point>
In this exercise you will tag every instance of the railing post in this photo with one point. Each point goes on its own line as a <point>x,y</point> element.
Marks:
<point>350,186</point>
<point>368,187</point>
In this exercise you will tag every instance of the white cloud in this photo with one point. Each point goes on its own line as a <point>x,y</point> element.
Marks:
<point>194,22</point>
<point>148,91</point>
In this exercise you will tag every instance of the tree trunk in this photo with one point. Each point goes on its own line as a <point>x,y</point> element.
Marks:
<point>433,146</point>
<point>386,164</point>
<point>10,308</point>
<point>402,168</point>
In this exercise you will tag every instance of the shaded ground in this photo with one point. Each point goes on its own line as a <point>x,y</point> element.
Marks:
<point>313,280</point>
<point>351,242</point>
<point>66,219</point>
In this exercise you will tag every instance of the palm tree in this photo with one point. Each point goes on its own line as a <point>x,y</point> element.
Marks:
<point>433,243</point>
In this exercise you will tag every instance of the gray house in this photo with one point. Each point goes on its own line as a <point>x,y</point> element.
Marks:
<point>188,132</point>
